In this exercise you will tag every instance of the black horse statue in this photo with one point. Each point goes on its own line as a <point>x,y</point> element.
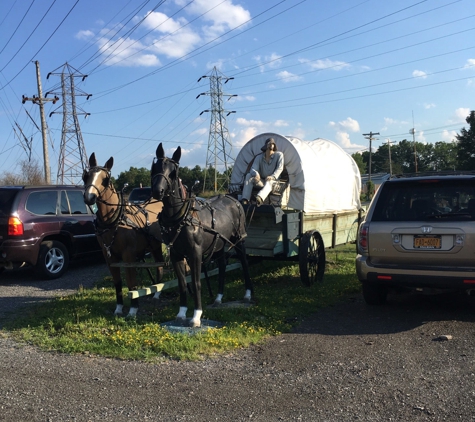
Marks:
<point>197,231</point>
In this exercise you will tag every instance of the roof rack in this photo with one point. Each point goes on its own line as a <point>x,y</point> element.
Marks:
<point>435,173</point>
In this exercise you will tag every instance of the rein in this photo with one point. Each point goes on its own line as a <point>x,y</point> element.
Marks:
<point>113,222</point>
<point>184,216</point>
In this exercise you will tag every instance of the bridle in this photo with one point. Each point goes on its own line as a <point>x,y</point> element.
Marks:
<point>170,191</point>
<point>106,183</point>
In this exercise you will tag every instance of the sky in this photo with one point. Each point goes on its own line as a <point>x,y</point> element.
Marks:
<point>302,68</point>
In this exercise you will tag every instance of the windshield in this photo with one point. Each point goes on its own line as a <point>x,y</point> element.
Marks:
<point>140,194</point>
<point>422,200</point>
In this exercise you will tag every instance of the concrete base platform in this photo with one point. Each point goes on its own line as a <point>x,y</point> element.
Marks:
<point>231,305</point>
<point>176,326</point>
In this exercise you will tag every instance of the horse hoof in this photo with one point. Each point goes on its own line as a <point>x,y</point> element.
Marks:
<point>217,303</point>
<point>195,324</point>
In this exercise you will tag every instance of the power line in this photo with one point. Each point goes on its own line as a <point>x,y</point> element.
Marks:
<point>29,36</point>
<point>41,48</point>
<point>18,26</point>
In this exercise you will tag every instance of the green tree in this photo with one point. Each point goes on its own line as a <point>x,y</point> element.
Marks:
<point>358,157</point>
<point>466,145</point>
<point>134,177</point>
<point>444,156</point>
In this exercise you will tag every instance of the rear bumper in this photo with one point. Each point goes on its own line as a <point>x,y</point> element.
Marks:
<point>417,277</point>
<point>16,252</point>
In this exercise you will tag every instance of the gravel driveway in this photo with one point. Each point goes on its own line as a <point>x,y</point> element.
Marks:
<point>412,360</point>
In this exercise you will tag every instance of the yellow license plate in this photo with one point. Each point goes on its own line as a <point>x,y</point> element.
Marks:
<point>427,241</point>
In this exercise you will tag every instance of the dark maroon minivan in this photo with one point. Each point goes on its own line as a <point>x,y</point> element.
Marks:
<point>44,226</point>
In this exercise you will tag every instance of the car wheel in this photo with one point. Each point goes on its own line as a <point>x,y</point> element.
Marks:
<point>374,294</point>
<point>53,259</point>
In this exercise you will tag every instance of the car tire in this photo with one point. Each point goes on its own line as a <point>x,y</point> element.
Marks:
<point>53,260</point>
<point>374,294</point>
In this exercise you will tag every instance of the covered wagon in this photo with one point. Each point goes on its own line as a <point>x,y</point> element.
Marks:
<point>315,205</point>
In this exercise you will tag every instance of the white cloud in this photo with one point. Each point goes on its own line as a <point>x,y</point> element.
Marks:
<point>419,74</point>
<point>222,16</point>
<point>244,122</point>
<point>326,64</point>
<point>348,124</point>
<point>245,98</point>
<point>470,64</point>
<point>461,114</point>
<point>343,139</point>
<point>286,76</point>
<point>390,121</point>
<point>272,62</point>
<point>244,135</point>
<point>173,38</point>
<point>280,123</point>
<point>84,35</point>
<point>201,131</point>
<point>448,135</point>
<point>218,64</point>
<point>127,52</point>
<point>428,106</point>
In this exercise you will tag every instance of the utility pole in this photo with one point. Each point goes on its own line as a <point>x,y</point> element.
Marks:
<point>413,132</point>
<point>40,101</point>
<point>370,137</point>
<point>219,145</point>
<point>390,165</point>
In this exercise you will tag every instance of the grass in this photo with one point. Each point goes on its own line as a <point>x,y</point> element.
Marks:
<point>84,322</point>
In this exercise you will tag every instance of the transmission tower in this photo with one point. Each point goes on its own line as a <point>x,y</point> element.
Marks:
<point>72,155</point>
<point>219,154</point>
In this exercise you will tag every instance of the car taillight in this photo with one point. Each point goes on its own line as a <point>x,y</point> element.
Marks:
<point>15,226</point>
<point>363,238</point>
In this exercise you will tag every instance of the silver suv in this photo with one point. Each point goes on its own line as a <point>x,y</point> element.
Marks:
<point>418,233</point>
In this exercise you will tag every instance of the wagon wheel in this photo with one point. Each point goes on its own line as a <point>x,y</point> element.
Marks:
<point>311,258</point>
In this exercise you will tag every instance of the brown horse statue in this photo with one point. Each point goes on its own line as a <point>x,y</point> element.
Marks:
<point>125,232</point>
<point>197,232</point>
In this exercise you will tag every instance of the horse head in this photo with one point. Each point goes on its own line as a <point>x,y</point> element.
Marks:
<point>96,179</point>
<point>164,173</point>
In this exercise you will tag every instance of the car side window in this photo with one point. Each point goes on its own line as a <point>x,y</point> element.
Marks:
<point>42,203</point>
<point>76,202</point>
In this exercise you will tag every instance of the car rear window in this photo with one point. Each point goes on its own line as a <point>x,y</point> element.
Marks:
<point>140,194</point>
<point>428,199</point>
<point>7,197</point>
<point>42,202</point>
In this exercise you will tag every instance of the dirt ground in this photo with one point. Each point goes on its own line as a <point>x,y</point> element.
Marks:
<point>412,360</point>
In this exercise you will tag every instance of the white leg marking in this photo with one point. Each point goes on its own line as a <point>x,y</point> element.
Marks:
<point>118,310</point>
<point>247,296</point>
<point>219,299</point>
<point>182,313</point>
<point>196,320</point>
<point>132,312</point>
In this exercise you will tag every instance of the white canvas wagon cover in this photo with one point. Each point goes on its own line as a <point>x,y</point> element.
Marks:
<point>323,177</point>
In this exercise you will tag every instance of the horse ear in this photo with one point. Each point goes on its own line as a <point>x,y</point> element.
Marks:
<point>92,160</point>
<point>160,151</point>
<point>177,155</point>
<point>110,163</point>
